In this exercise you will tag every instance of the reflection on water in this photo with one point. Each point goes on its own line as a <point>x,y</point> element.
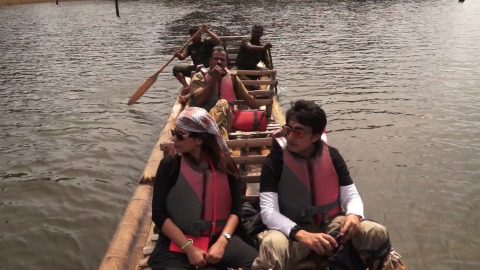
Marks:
<point>399,82</point>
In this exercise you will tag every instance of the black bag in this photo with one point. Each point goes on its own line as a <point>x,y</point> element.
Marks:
<point>251,223</point>
<point>345,257</point>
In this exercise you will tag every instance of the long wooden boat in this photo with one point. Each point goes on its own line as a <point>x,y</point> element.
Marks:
<point>134,238</point>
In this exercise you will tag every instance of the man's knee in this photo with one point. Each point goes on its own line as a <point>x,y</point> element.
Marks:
<point>175,70</point>
<point>273,239</point>
<point>374,230</point>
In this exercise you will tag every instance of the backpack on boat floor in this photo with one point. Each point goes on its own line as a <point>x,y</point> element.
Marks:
<point>385,258</point>
<point>249,120</point>
<point>345,257</point>
<point>251,224</point>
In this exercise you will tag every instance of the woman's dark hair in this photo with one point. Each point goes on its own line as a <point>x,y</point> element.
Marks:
<point>309,114</point>
<point>220,160</point>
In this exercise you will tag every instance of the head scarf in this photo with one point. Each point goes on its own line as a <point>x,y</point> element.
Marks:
<point>196,119</point>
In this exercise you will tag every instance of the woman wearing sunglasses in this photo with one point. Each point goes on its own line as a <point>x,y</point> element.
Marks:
<point>306,194</point>
<point>197,200</point>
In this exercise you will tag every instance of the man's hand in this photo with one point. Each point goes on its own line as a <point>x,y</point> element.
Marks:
<point>217,72</point>
<point>349,227</point>
<point>321,243</point>
<point>205,27</point>
<point>267,46</point>
<point>178,54</point>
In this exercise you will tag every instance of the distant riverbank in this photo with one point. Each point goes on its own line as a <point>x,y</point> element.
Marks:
<point>19,2</point>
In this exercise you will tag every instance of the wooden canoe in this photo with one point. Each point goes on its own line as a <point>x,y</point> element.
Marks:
<point>134,239</point>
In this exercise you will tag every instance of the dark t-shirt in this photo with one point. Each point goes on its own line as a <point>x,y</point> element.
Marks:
<point>201,52</point>
<point>248,59</point>
<point>273,167</point>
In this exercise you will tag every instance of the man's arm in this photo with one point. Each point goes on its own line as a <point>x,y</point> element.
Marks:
<point>213,36</point>
<point>242,93</point>
<point>181,55</point>
<point>270,210</point>
<point>350,199</point>
<point>249,46</point>
<point>201,90</point>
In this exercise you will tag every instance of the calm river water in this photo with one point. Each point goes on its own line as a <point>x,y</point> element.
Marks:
<point>399,80</point>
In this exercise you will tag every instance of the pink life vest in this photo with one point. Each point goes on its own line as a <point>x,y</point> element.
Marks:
<point>225,89</point>
<point>190,201</point>
<point>309,190</point>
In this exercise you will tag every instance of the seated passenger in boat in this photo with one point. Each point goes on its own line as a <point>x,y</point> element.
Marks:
<point>200,51</point>
<point>306,194</point>
<point>195,185</point>
<point>216,89</point>
<point>251,52</point>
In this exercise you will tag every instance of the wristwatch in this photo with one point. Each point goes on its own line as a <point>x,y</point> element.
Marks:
<point>228,236</point>
<point>293,232</point>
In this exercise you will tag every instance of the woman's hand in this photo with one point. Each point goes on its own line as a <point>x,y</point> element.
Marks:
<point>215,252</point>
<point>196,256</point>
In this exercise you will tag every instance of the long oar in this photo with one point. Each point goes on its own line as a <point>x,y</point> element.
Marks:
<point>142,89</point>
<point>271,65</point>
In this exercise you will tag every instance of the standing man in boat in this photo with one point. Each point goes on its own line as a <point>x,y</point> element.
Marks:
<point>252,51</point>
<point>215,89</point>
<point>200,51</point>
<point>307,195</point>
<point>195,186</point>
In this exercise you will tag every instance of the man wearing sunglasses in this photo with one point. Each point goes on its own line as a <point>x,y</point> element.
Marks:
<point>306,194</point>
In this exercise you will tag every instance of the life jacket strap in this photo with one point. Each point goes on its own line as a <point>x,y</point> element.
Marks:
<point>207,225</point>
<point>319,209</point>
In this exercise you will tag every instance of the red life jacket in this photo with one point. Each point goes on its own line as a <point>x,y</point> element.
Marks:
<point>225,89</point>
<point>190,201</point>
<point>309,191</point>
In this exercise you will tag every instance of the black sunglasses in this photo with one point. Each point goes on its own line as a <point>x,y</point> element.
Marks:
<point>180,136</point>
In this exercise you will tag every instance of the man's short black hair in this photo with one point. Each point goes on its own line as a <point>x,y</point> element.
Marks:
<point>309,114</point>
<point>194,29</point>
<point>257,27</point>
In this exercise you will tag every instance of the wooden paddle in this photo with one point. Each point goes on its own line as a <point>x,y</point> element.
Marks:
<point>144,87</point>
<point>271,65</point>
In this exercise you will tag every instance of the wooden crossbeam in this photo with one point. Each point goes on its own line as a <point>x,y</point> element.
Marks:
<point>259,102</point>
<point>261,93</point>
<point>266,72</point>
<point>252,159</point>
<point>232,38</point>
<point>259,82</point>
<point>251,178</point>
<point>253,142</point>
<point>251,198</point>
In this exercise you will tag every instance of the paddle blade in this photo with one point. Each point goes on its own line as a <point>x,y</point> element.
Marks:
<point>142,89</point>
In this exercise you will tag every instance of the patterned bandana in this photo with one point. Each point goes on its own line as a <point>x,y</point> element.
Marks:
<point>196,119</point>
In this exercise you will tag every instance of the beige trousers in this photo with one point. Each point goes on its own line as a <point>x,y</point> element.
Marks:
<point>278,252</point>
<point>223,116</point>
